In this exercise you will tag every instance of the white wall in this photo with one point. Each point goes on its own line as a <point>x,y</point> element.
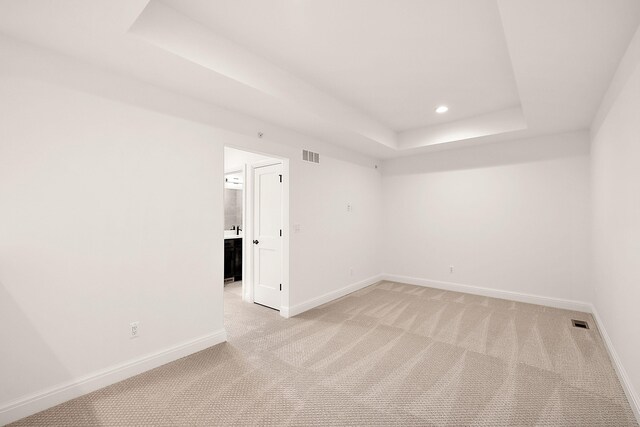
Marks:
<point>510,216</point>
<point>332,241</point>
<point>236,159</point>
<point>111,212</point>
<point>616,217</point>
<point>107,216</point>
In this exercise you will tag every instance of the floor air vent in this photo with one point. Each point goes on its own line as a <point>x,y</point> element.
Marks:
<point>579,324</point>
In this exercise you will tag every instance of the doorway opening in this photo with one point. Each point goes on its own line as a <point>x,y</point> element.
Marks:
<point>256,231</point>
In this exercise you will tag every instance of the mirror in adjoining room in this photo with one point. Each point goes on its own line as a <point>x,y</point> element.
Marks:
<point>233,186</point>
<point>233,198</point>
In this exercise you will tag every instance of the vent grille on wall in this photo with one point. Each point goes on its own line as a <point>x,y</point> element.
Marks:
<point>310,156</point>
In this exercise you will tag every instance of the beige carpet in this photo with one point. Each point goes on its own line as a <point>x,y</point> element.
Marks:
<point>390,354</point>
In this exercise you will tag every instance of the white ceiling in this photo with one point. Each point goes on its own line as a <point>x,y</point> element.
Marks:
<point>363,74</point>
<point>395,61</point>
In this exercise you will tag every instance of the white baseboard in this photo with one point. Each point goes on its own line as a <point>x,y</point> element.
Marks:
<point>328,297</point>
<point>285,312</point>
<point>494,293</point>
<point>627,386</point>
<point>31,404</point>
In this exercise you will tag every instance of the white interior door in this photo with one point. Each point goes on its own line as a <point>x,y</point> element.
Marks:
<point>267,235</point>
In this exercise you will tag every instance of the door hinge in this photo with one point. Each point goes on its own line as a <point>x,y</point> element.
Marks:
<point>280,286</point>
<point>280,232</point>
<point>280,178</point>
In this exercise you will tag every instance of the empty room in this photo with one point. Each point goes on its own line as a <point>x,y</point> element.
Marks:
<point>319,212</point>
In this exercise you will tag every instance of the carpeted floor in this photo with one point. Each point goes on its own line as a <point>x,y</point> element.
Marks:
<point>389,354</point>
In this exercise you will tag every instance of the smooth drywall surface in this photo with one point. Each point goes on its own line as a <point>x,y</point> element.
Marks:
<point>111,212</point>
<point>336,226</point>
<point>510,216</point>
<point>616,218</point>
<point>236,159</point>
<point>108,215</point>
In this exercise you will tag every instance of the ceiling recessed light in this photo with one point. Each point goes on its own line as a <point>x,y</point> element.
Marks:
<point>442,109</point>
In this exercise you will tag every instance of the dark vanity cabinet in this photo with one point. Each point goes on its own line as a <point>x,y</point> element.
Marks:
<point>233,259</point>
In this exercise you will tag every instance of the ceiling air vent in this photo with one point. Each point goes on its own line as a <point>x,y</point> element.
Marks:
<point>310,156</point>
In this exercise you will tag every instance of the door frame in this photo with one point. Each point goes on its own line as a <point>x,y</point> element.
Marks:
<point>247,228</point>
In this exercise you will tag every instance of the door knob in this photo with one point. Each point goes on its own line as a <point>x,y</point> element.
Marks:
<point>255,242</point>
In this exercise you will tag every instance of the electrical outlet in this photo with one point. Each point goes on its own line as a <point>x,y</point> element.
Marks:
<point>134,329</point>
<point>451,269</point>
<point>297,228</point>
<point>349,207</point>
